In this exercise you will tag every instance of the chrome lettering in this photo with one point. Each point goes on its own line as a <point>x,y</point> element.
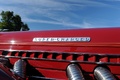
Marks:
<point>61,39</point>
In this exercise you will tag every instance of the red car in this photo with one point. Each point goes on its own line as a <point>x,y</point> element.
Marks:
<point>79,54</point>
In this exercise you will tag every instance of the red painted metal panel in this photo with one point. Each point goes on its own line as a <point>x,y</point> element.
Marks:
<point>53,57</point>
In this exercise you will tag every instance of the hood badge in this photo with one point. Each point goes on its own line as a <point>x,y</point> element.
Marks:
<point>61,39</point>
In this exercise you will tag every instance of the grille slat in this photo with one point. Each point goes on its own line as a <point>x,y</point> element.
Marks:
<point>59,56</point>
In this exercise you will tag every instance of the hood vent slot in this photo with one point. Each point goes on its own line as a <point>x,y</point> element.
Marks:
<point>58,56</point>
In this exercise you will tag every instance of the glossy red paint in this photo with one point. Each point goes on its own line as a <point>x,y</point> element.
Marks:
<point>105,40</point>
<point>52,58</point>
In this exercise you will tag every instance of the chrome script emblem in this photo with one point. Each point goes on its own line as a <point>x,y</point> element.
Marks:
<point>61,39</point>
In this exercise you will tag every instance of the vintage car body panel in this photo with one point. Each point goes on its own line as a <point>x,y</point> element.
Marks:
<point>99,38</point>
<point>48,53</point>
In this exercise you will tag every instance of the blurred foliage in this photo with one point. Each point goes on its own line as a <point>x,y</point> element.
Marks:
<point>11,22</point>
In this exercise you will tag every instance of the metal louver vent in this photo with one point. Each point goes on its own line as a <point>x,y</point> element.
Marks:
<point>77,57</point>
